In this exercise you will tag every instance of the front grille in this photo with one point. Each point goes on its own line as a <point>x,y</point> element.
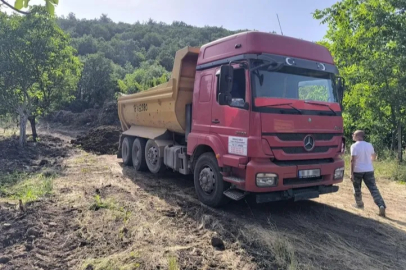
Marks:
<point>301,150</point>
<point>301,181</point>
<point>301,136</point>
<point>283,163</point>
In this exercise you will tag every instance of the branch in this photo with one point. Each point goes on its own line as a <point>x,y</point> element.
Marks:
<point>13,8</point>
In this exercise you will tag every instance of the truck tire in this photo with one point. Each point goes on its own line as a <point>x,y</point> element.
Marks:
<point>209,184</point>
<point>126,150</point>
<point>154,163</point>
<point>138,154</point>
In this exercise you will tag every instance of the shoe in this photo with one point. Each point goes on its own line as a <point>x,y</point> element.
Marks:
<point>382,211</point>
<point>359,205</point>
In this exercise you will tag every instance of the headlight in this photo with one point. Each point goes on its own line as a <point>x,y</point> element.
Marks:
<point>339,173</point>
<point>266,179</point>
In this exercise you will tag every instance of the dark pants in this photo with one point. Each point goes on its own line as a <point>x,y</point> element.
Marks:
<point>369,180</point>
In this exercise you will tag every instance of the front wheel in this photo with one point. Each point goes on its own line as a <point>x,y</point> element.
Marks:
<point>209,184</point>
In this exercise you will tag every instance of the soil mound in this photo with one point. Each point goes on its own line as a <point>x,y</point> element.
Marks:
<point>47,152</point>
<point>101,140</point>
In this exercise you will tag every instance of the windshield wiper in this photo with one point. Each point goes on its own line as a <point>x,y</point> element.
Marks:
<point>321,104</point>
<point>281,104</point>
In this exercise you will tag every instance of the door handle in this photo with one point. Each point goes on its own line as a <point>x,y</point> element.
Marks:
<point>215,121</point>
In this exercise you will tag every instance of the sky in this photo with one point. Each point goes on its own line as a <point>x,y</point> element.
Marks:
<point>295,15</point>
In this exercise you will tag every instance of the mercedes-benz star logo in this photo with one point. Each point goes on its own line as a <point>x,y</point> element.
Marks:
<point>308,143</point>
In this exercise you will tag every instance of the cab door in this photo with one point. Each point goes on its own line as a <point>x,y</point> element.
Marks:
<point>231,122</point>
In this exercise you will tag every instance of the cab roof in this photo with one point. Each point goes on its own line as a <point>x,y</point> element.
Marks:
<point>254,42</point>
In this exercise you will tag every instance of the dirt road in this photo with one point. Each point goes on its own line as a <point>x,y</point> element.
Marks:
<point>102,215</point>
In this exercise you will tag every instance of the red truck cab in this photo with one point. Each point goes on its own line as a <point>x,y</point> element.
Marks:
<point>268,108</point>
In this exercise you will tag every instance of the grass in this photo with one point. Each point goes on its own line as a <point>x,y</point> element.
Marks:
<point>120,261</point>
<point>27,187</point>
<point>98,203</point>
<point>285,254</point>
<point>386,168</point>
<point>173,264</point>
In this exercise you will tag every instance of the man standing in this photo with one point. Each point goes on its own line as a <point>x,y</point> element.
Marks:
<point>362,154</point>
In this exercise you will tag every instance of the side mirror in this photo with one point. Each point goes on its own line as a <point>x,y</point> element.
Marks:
<point>226,84</point>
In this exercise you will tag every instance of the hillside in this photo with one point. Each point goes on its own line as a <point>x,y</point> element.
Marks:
<point>128,57</point>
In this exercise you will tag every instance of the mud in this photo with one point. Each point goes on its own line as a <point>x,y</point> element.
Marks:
<point>37,238</point>
<point>100,140</point>
<point>48,152</point>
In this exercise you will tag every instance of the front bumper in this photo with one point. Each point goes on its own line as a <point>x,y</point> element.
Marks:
<point>288,175</point>
<point>295,194</point>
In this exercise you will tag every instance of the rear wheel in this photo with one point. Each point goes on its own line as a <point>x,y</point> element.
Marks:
<point>209,184</point>
<point>154,162</point>
<point>126,150</point>
<point>138,154</point>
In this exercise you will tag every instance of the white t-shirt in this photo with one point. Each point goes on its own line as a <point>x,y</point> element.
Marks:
<point>363,151</point>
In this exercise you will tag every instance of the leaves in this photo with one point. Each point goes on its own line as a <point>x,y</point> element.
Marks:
<point>366,39</point>
<point>19,4</point>
<point>50,5</point>
<point>39,70</point>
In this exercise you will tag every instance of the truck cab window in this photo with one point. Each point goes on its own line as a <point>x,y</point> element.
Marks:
<point>238,90</point>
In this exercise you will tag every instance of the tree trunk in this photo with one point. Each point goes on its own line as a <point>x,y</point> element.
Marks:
<point>23,130</point>
<point>33,127</point>
<point>400,142</point>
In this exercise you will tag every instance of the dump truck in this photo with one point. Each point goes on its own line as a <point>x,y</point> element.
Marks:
<point>253,113</point>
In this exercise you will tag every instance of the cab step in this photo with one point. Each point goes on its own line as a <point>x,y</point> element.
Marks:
<point>234,194</point>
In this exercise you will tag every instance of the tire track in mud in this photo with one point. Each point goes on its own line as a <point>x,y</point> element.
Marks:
<point>37,238</point>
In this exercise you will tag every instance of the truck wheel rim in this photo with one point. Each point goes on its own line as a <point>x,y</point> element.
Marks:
<point>207,180</point>
<point>153,156</point>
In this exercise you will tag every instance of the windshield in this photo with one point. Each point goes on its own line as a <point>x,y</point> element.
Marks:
<point>294,83</point>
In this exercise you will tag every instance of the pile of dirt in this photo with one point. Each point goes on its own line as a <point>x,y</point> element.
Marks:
<point>48,152</point>
<point>101,140</point>
<point>106,115</point>
<point>89,118</point>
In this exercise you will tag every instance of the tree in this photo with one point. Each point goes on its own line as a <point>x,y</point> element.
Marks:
<point>38,69</point>
<point>96,83</point>
<point>367,39</point>
<point>147,76</point>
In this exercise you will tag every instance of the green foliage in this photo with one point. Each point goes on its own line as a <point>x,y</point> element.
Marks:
<point>141,55</point>
<point>38,69</point>
<point>27,187</point>
<point>96,83</point>
<point>367,41</point>
<point>147,76</point>
<point>49,4</point>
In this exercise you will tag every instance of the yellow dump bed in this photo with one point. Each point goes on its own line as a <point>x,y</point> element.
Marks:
<point>163,107</point>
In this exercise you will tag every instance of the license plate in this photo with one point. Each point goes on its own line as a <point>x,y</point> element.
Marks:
<point>309,173</point>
